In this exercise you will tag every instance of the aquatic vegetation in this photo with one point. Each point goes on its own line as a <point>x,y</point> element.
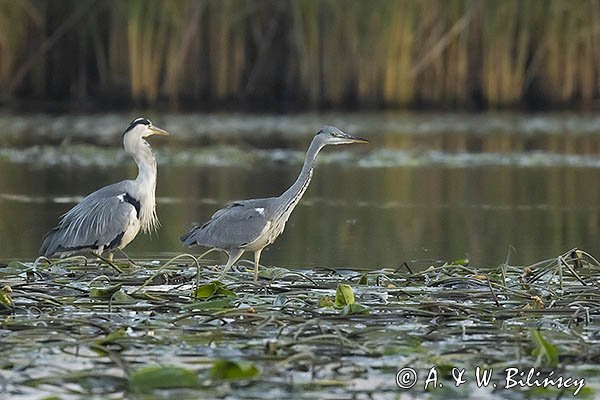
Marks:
<point>80,328</point>
<point>302,53</point>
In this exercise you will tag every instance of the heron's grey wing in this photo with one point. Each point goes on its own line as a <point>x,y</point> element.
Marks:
<point>236,225</point>
<point>252,203</point>
<point>100,219</point>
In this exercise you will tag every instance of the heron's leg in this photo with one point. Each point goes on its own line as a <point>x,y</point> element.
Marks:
<point>256,261</point>
<point>234,255</point>
<point>109,256</point>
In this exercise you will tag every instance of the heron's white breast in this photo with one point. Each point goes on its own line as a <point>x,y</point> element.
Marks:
<point>131,230</point>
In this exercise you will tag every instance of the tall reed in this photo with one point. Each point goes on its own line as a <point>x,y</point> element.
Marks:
<point>306,53</point>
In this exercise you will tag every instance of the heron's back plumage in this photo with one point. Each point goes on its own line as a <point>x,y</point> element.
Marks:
<point>236,225</point>
<point>98,222</point>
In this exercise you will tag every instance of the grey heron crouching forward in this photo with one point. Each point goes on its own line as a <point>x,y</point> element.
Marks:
<point>111,217</point>
<point>252,225</point>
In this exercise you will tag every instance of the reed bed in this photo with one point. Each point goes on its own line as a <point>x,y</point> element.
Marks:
<point>303,53</point>
<point>158,329</point>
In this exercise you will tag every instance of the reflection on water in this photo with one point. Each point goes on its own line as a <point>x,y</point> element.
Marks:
<point>425,194</point>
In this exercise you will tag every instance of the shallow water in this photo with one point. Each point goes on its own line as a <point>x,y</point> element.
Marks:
<point>428,187</point>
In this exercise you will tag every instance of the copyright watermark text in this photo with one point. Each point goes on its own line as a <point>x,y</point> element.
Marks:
<point>508,378</point>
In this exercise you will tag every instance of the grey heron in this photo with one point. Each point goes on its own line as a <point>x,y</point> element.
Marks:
<point>252,225</point>
<point>111,217</point>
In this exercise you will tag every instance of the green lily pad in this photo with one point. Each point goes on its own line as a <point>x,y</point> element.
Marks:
<point>344,295</point>
<point>147,379</point>
<point>213,289</point>
<point>5,299</point>
<point>364,279</point>
<point>354,308</point>
<point>544,349</point>
<point>326,301</point>
<point>225,369</point>
<point>104,292</point>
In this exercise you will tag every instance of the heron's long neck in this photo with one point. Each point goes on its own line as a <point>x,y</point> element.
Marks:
<point>146,163</point>
<point>291,197</point>
<point>146,185</point>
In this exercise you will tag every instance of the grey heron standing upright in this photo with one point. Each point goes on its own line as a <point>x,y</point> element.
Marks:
<point>252,225</point>
<point>111,217</point>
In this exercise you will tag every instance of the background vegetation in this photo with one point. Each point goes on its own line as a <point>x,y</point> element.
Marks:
<point>291,54</point>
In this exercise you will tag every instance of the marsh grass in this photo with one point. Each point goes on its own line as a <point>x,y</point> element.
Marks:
<point>78,328</point>
<point>306,53</point>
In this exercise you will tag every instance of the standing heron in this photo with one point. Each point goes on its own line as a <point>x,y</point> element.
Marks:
<point>111,217</point>
<point>252,225</point>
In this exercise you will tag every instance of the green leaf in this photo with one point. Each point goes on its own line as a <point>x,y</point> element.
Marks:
<point>162,377</point>
<point>5,299</point>
<point>219,303</point>
<point>104,292</point>
<point>112,337</point>
<point>354,308</point>
<point>121,297</point>
<point>225,369</point>
<point>326,301</point>
<point>364,279</point>
<point>13,268</point>
<point>344,295</point>
<point>544,349</point>
<point>461,261</point>
<point>16,265</point>
<point>213,289</point>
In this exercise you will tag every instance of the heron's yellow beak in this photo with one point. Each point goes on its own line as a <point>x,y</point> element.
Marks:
<point>356,139</point>
<point>158,131</point>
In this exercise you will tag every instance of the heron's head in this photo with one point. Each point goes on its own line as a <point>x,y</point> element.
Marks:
<point>332,135</point>
<point>142,128</point>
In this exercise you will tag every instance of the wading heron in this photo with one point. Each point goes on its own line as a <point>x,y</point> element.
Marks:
<point>111,217</point>
<point>252,225</point>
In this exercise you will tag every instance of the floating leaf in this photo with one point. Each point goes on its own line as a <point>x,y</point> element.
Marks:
<point>544,349</point>
<point>104,292</point>
<point>112,337</point>
<point>225,369</point>
<point>162,377</point>
<point>121,297</point>
<point>16,265</point>
<point>326,301</point>
<point>5,299</point>
<point>219,303</point>
<point>461,261</point>
<point>354,308</point>
<point>13,268</point>
<point>364,279</point>
<point>344,295</point>
<point>213,289</point>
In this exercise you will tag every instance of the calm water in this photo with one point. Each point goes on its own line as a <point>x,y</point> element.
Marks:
<point>428,187</point>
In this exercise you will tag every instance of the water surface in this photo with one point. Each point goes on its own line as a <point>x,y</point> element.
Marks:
<point>428,187</point>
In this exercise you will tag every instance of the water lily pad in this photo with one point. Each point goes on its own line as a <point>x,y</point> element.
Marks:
<point>544,349</point>
<point>225,369</point>
<point>104,292</point>
<point>150,378</point>
<point>354,308</point>
<point>326,301</point>
<point>213,289</point>
<point>5,300</point>
<point>344,295</point>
